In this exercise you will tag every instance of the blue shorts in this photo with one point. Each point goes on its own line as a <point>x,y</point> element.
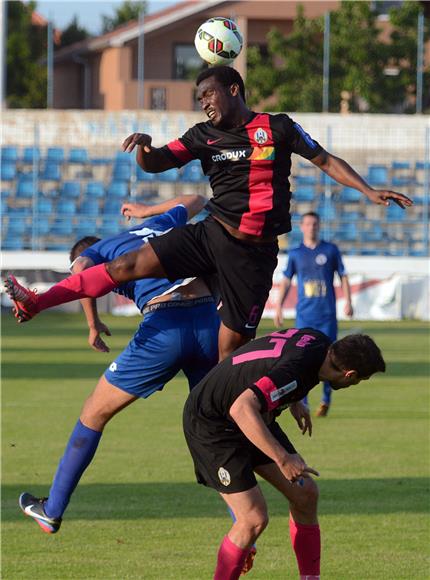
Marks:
<point>328,326</point>
<point>170,338</point>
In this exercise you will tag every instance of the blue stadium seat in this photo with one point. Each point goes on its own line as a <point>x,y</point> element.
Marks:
<point>304,194</point>
<point>44,206</point>
<point>395,213</point>
<point>51,172</point>
<point>89,207</point>
<point>62,227</point>
<point>170,175</point>
<point>8,171</point>
<point>70,189</point>
<point>375,234</point>
<point>13,243</point>
<point>25,189</point>
<point>109,227</point>
<point>4,208</point>
<point>101,160</point>
<point>192,172</point>
<point>59,247</point>
<point>17,226</point>
<point>123,158</point>
<point>85,227</point>
<point>42,226</point>
<point>117,189</point>
<point>20,212</point>
<point>66,207</point>
<point>369,252</point>
<point>327,210</point>
<point>305,180</point>
<point>31,154</point>
<point>55,154</point>
<point>5,193</point>
<point>144,175</point>
<point>95,189</point>
<point>377,175</point>
<point>347,232</point>
<point>350,195</point>
<point>294,238</point>
<point>112,207</point>
<point>78,155</point>
<point>9,153</point>
<point>121,172</point>
<point>351,216</point>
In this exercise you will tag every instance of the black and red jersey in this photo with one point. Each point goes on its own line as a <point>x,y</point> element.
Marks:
<point>248,168</point>
<point>280,368</point>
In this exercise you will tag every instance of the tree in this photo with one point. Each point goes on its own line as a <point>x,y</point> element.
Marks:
<point>403,53</point>
<point>26,46</point>
<point>290,77</point>
<point>128,10</point>
<point>73,33</point>
<point>292,70</point>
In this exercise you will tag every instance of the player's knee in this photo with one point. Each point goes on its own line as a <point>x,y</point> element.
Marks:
<point>307,500</point>
<point>123,267</point>
<point>258,522</point>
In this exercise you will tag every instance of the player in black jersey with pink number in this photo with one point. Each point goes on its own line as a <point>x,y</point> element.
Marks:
<point>231,431</point>
<point>247,156</point>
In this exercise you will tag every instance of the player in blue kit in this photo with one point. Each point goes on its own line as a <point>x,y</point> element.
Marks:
<point>314,263</point>
<point>179,332</point>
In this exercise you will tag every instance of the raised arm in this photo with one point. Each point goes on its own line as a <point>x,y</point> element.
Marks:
<point>343,173</point>
<point>193,203</point>
<point>245,411</point>
<point>89,306</point>
<point>284,288</point>
<point>149,158</point>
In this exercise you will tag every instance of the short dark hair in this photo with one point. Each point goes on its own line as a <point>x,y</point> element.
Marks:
<point>225,75</point>
<point>357,352</point>
<point>311,214</point>
<point>82,245</point>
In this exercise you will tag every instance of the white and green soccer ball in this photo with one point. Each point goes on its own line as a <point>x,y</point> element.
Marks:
<point>218,41</point>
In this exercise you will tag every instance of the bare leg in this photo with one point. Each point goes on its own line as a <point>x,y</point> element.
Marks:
<point>229,340</point>
<point>304,528</point>
<point>104,402</point>
<point>142,263</point>
<point>100,407</point>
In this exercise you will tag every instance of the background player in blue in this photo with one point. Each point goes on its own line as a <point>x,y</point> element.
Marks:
<point>179,331</point>
<point>314,263</point>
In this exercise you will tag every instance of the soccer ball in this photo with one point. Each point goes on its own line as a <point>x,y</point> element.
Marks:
<point>218,41</point>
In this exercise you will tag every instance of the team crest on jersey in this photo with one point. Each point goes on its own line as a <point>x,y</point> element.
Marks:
<point>260,136</point>
<point>276,395</point>
<point>224,476</point>
<point>321,259</point>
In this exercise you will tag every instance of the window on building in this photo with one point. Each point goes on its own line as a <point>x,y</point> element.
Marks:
<point>158,98</point>
<point>186,62</point>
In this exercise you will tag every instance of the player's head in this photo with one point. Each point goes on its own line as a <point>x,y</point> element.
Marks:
<point>81,245</point>
<point>221,93</point>
<point>310,226</point>
<point>352,359</point>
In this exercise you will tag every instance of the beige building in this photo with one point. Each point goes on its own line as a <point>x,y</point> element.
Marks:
<point>102,72</point>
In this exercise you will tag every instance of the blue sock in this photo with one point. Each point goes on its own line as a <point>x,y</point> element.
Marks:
<point>79,452</point>
<point>326,393</point>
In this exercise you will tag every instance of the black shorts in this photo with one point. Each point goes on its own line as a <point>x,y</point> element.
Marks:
<point>227,463</point>
<point>244,269</point>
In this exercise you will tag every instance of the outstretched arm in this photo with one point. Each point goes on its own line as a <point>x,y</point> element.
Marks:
<point>284,288</point>
<point>193,203</point>
<point>245,411</point>
<point>149,158</point>
<point>343,173</point>
<point>349,311</point>
<point>89,306</point>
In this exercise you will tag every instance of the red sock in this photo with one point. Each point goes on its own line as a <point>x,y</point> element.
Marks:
<point>91,283</point>
<point>230,561</point>
<point>306,543</point>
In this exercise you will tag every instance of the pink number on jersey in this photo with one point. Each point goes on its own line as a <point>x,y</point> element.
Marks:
<point>275,352</point>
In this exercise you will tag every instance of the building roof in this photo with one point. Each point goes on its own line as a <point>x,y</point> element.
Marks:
<point>131,30</point>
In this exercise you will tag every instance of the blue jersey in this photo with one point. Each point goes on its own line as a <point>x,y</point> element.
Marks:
<point>316,301</point>
<point>140,291</point>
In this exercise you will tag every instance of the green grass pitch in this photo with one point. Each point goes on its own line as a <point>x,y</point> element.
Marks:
<point>138,512</point>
